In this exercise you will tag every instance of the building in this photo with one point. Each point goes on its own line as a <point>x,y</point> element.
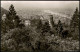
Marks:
<point>27,22</point>
<point>3,17</point>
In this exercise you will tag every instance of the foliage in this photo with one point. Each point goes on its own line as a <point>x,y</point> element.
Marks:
<point>60,27</point>
<point>75,18</point>
<point>19,39</point>
<point>39,24</point>
<point>12,20</point>
<point>45,28</point>
<point>74,24</point>
<point>3,27</point>
<point>36,37</point>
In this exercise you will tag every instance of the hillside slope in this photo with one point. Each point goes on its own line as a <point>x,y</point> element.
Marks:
<point>3,11</point>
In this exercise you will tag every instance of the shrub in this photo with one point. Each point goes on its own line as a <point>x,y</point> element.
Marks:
<point>19,39</point>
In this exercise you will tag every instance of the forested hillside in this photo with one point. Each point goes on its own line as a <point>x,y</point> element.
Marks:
<point>38,31</point>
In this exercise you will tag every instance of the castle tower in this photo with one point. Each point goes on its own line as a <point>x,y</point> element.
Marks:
<point>51,22</point>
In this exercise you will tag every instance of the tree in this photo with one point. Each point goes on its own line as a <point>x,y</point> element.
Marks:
<point>75,19</point>
<point>9,22</point>
<point>17,21</point>
<point>3,27</point>
<point>39,24</point>
<point>60,27</point>
<point>45,28</point>
<point>12,10</point>
<point>12,19</point>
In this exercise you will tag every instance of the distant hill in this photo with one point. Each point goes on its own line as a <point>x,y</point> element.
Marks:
<point>3,11</point>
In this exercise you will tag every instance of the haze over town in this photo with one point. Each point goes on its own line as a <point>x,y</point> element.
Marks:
<point>40,4</point>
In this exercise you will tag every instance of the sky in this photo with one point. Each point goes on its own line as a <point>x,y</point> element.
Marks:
<point>39,4</point>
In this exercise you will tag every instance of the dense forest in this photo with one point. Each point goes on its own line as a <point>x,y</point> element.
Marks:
<point>40,34</point>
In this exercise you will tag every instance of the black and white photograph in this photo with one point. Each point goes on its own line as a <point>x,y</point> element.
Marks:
<point>40,26</point>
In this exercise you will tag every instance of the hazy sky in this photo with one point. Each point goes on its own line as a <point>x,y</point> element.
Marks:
<point>39,4</point>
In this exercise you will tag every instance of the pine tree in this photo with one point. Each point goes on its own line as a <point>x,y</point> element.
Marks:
<point>75,19</point>
<point>12,11</point>
<point>59,23</point>
<point>17,21</point>
<point>60,27</point>
<point>12,19</point>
